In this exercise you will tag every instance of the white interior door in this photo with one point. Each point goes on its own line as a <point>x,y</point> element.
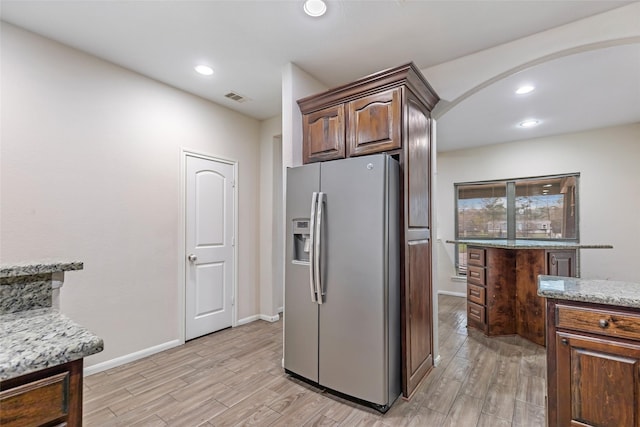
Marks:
<point>209,241</point>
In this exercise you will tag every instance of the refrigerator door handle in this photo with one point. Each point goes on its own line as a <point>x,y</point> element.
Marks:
<point>317,252</point>
<point>312,284</point>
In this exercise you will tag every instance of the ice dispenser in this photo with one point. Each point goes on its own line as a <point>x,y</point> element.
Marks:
<point>301,240</point>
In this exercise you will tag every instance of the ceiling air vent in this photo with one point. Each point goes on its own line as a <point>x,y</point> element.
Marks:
<point>236,97</point>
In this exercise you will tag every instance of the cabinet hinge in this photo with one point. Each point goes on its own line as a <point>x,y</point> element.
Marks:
<point>233,184</point>
<point>233,240</point>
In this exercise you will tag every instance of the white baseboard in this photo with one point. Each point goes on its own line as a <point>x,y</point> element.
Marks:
<point>255,317</point>
<point>281,310</point>
<point>272,319</point>
<point>436,361</point>
<point>131,357</point>
<point>453,294</point>
<point>246,320</point>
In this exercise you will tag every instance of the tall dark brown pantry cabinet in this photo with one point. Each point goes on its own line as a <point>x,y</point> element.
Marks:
<point>390,112</point>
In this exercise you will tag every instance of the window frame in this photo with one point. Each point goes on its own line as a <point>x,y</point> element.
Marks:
<point>510,187</point>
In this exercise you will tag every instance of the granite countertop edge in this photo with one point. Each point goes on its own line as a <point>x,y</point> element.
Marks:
<point>37,339</point>
<point>608,292</point>
<point>529,244</point>
<point>40,267</point>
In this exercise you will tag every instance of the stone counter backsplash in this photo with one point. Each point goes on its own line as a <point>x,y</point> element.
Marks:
<point>33,268</point>
<point>29,286</point>
<point>25,293</point>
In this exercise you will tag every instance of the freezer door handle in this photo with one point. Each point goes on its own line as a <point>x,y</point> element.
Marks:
<point>312,284</point>
<point>317,252</point>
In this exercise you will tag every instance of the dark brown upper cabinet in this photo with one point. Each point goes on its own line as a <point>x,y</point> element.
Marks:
<point>373,123</point>
<point>323,134</point>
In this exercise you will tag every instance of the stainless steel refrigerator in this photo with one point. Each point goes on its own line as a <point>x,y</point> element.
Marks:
<point>342,302</point>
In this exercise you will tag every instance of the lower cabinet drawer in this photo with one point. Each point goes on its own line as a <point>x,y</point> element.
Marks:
<point>475,275</point>
<point>36,403</point>
<point>475,312</point>
<point>475,256</point>
<point>604,322</point>
<point>476,294</point>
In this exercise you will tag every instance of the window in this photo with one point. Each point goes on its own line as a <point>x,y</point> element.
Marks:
<point>540,208</point>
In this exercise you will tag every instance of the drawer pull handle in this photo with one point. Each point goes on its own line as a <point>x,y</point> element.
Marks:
<point>603,323</point>
<point>565,341</point>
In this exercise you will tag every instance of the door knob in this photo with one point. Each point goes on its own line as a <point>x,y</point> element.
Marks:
<point>192,258</point>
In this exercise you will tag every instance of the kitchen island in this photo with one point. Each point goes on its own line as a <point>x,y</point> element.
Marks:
<point>41,350</point>
<point>502,276</point>
<point>593,351</point>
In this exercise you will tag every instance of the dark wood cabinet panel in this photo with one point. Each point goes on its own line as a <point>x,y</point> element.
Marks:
<point>417,339</point>
<point>418,156</point>
<point>598,382</point>
<point>323,134</point>
<point>561,263</point>
<point>593,377</point>
<point>48,397</point>
<point>530,308</point>
<point>373,123</point>
<point>500,292</point>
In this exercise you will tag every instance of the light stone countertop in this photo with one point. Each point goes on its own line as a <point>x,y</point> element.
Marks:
<point>528,244</point>
<point>36,339</point>
<point>624,294</point>
<point>41,267</point>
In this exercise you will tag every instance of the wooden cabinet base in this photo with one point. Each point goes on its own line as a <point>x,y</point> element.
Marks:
<point>593,368</point>
<point>48,397</point>
<point>507,281</point>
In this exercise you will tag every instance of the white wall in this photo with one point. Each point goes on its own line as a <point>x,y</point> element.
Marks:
<point>607,160</point>
<point>270,213</point>
<point>90,171</point>
<point>296,84</point>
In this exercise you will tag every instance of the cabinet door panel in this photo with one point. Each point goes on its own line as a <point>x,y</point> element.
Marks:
<point>418,155</point>
<point>323,134</point>
<point>374,123</point>
<point>417,341</point>
<point>35,403</point>
<point>561,263</point>
<point>598,382</point>
<point>530,308</point>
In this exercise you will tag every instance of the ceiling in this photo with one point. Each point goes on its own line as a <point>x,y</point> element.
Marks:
<point>248,42</point>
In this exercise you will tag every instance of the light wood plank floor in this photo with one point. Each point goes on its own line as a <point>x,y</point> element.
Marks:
<point>234,378</point>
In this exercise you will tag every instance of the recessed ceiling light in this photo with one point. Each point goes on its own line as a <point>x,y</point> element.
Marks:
<point>205,70</point>
<point>529,123</point>
<point>525,89</point>
<point>314,8</point>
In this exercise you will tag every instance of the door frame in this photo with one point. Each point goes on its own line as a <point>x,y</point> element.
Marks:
<point>182,278</point>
